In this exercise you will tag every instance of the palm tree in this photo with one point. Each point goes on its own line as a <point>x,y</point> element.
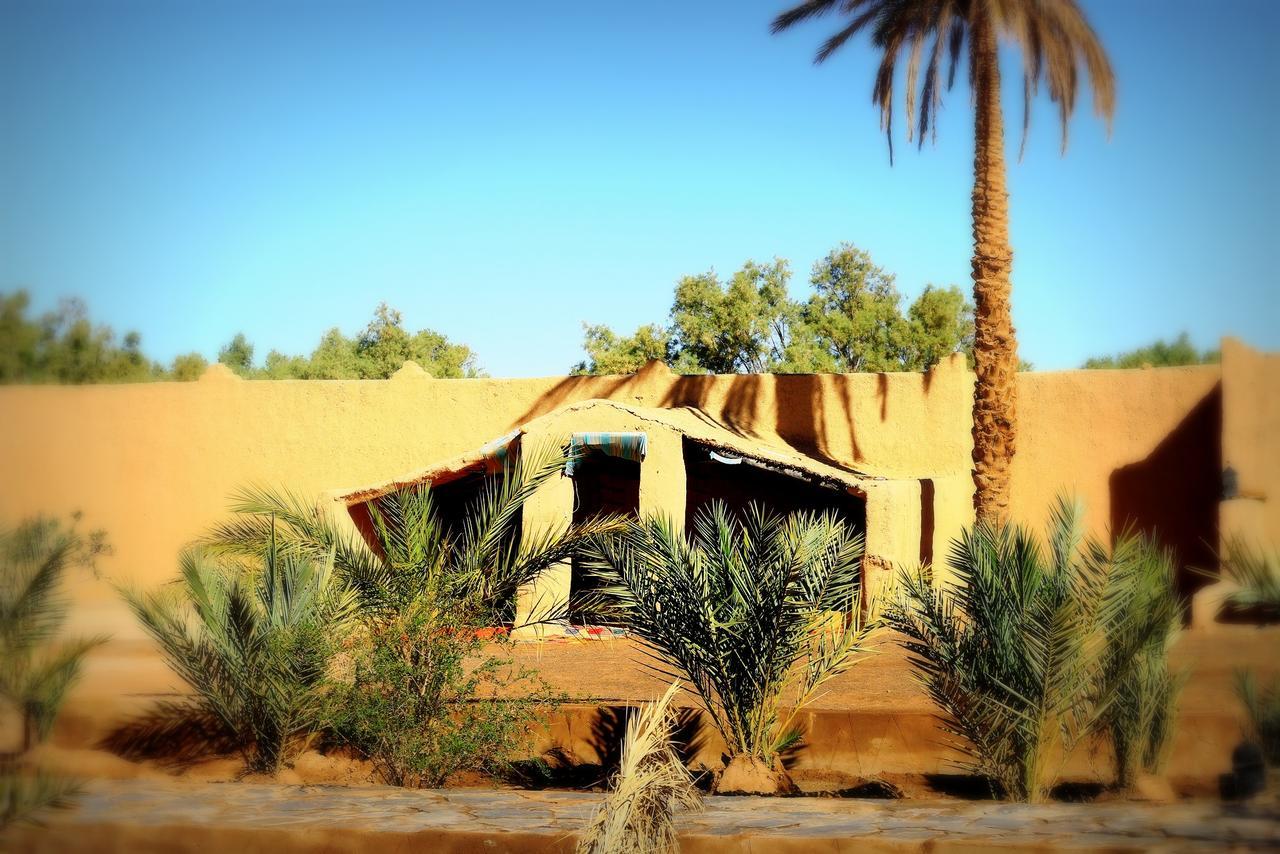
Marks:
<point>1039,643</point>
<point>1137,690</point>
<point>1055,40</point>
<point>253,645</point>
<point>36,668</point>
<point>747,610</point>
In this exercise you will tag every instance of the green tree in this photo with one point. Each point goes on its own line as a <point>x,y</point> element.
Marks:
<point>1036,644</point>
<point>854,313</point>
<point>237,354</point>
<point>334,358</point>
<point>253,644</point>
<point>742,326</point>
<point>610,353</point>
<point>187,367</point>
<point>411,704</point>
<point>941,323</point>
<point>279,366</point>
<point>19,339</point>
<point>379,351</point>
<point>851,322</point>
<point>37,664</point>
<point>1161,354</point>
<point>385,345</point>
<point>64,346</point>
<point>1057,43</point>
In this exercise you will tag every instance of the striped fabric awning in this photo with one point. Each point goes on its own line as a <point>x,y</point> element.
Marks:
<point>627,446</point>
<point>495,453</point>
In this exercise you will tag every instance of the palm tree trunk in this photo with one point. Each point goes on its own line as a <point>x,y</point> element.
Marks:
<point>995,349</point>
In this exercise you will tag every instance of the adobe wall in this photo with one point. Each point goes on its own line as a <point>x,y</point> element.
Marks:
<point>153,464</point>
<point>1140,448</point>
<point>1251,440</point>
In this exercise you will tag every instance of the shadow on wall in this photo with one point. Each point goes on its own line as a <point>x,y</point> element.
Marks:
<point>926,522</point>
<point>800,416</point>
<point>573,389</point>
<point>1173,494</point>
<point>807,411</point>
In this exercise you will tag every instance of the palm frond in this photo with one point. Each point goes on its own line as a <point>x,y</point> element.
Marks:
<point>1262,705</point>
<point>33,559</point>
<point>24,797</point>
<point>1257,573</point>
<point>36,671</point>
<point>1054,37</point>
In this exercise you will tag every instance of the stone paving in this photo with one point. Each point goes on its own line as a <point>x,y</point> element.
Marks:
<point>177,817</point>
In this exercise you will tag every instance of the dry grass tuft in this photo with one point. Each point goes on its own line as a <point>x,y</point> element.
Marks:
<point>652,784</point>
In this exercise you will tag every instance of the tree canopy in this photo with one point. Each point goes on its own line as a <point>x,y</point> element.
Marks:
<point>1161,354</point>
<point>852,321</point>
<point>64,346</point>
<point>378,351</point>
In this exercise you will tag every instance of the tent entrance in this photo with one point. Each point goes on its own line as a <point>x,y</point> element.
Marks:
<point>602,485</point>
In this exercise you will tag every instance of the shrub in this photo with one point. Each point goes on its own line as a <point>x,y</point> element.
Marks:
<point>1263,708</point>
<point>1016,653</point>
<point>1137,693</point>
<point>254,644</point>
<point>650,786</point>
<point>36,671</point>
<point>420,713</point>
<point>744,609</point>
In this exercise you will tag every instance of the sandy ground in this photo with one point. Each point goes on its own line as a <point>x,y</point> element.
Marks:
<point>273,819</point>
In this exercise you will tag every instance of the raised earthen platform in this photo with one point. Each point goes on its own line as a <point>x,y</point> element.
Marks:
<point>872,722</point>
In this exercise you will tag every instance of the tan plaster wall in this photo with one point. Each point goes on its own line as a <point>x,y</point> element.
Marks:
<point>1077,428</point>
<point>1251,440</point>
<point>153,464</point>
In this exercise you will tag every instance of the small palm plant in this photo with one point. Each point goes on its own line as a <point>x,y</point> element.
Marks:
<point>743,608</point>
<point>1256,571</point>
<point>254,645</point>
<point>651,785</point>
<point>1015,653</point>
<point>35,670</point>
<point>1262,704</point>
<point>24,797</point>
<point>1137,693</point>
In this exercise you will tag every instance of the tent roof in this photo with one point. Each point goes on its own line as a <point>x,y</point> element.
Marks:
<point>692,423</point>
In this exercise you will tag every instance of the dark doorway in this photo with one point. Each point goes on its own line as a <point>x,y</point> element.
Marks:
<point>452,502</point>
<point>737,484</point>
<point>455,499</point>
<point>602,485</point>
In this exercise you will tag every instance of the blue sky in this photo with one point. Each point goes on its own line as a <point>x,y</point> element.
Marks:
<point>504,172</point>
